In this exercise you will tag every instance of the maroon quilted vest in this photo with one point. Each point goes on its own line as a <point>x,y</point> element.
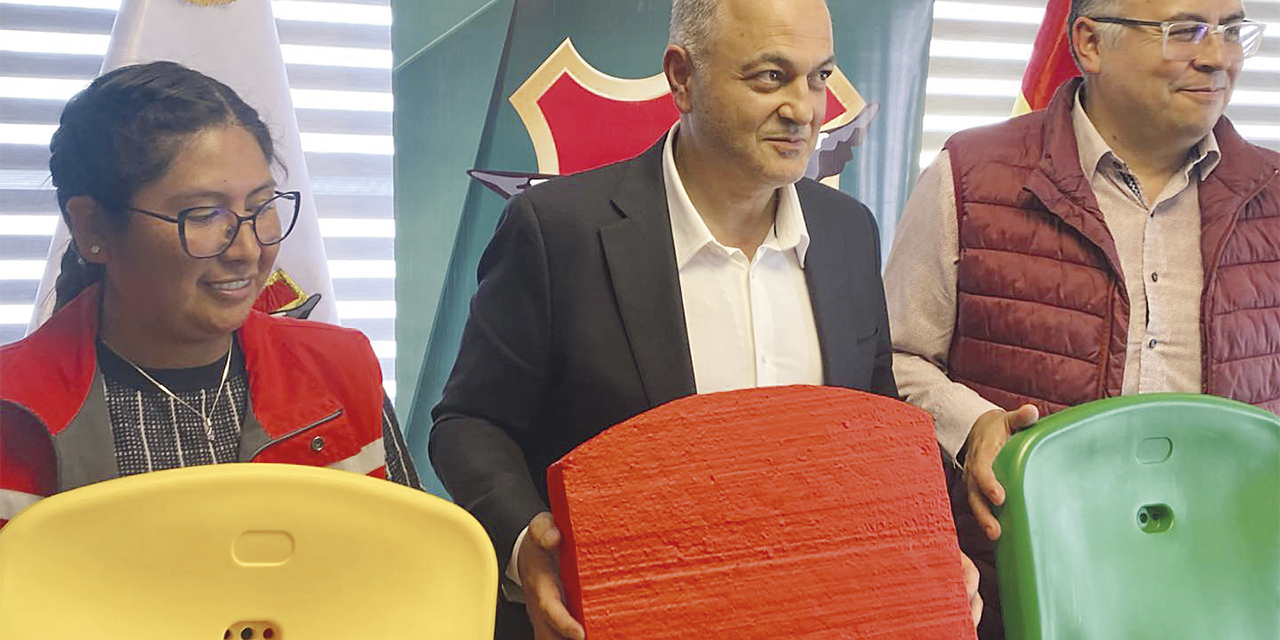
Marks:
<point>1043,314</point>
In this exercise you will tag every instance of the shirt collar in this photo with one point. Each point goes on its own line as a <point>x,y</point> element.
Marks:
<point>690,233</point>
<point>1093,148</point>
<point>1207,155</point>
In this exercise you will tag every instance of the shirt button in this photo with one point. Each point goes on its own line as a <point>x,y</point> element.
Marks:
<point>1151,344</point>
<point>1155,277</point>
<point>317,443</point>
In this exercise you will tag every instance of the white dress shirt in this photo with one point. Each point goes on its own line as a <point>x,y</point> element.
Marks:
<point>749,321</point>
<point>1157,243</point>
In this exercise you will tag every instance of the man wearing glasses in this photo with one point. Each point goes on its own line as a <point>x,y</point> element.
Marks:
<point>1125,240</point>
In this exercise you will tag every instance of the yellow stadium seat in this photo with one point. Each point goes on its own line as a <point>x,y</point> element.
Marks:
<point>249,551</point>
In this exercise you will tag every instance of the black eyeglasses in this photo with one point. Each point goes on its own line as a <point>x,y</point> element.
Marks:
<point>207,232</point>
<point>1183,39</point>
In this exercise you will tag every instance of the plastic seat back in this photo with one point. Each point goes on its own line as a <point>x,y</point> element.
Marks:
<point>800,512</point>
<point>285,552</point>
<point>1152,516</point>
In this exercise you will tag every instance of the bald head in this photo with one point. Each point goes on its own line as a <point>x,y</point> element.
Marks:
<point>693,22</point>
<point>750,80</point>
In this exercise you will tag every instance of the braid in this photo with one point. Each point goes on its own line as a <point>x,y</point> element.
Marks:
<point>76,275</point>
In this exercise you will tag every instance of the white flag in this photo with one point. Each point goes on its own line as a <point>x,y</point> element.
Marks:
<point>236,43</point>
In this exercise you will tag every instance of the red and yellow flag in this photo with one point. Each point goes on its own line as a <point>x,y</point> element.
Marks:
<point>1051,63</point>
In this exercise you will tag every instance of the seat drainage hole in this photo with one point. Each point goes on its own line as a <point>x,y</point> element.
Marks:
<point>253,631</point>
<point>1155,518</point>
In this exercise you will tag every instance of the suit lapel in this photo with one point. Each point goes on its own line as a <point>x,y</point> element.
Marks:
<point>830,294</point>
<point>641,260</point>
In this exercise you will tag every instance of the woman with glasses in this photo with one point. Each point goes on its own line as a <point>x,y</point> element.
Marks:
<point>154,358</point>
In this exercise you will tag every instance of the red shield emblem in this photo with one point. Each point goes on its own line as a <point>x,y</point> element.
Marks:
<point>580,118</point>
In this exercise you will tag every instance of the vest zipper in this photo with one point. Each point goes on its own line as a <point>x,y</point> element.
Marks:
<point>1104,373</point>
<point>332,416</point>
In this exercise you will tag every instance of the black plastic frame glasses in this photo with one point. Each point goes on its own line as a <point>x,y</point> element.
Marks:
<point>1181,39</point>
<point>292,197</point>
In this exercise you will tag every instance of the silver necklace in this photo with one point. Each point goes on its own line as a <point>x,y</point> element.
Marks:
<point>208,422</point>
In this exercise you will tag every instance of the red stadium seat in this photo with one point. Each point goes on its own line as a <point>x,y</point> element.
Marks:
<point>784,512</point>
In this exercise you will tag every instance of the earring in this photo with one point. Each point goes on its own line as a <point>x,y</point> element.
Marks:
<point>95,249</point>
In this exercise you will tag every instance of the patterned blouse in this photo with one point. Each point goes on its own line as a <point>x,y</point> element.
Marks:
<point>152,431</point>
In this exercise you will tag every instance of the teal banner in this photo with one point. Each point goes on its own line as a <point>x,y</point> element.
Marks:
<point>494,96</point>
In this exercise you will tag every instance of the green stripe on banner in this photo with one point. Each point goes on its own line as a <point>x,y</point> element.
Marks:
<point>455,72</point>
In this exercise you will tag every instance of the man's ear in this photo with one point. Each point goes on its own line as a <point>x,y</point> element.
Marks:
<point>677,65</point>
<point>1086,41</point>
<point>90,228</point>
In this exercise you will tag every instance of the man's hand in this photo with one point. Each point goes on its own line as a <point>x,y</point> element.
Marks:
<point>971,588</point>
<point>990,431</point>
<point>539,577</point>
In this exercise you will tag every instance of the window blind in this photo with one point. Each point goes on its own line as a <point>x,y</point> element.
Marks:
<point>338,58</point>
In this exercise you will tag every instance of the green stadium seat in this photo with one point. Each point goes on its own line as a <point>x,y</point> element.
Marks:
<point>1151,516</point>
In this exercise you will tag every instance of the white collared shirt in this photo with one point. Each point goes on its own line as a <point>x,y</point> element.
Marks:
<point>749,321</point>
<point>1158,243</point>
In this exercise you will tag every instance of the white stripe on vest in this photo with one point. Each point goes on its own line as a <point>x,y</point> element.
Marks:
<point>14,502</point>
<point>372,457</point>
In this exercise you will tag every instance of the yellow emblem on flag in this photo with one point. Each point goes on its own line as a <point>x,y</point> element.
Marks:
<point>280,293</point>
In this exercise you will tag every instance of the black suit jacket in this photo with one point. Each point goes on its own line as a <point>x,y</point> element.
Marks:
<point>578,324</point>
